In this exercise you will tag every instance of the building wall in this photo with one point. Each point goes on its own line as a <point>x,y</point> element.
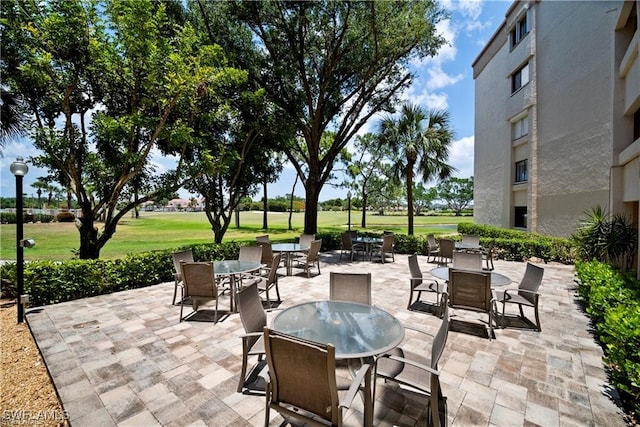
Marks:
<point>568,104</point>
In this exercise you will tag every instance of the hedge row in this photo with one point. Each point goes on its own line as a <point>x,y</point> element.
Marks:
<point>612,300</point>
<point>49,282</point>
<point>11,218</point>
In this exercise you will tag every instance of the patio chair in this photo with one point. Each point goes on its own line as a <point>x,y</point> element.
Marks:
<point>433,250</point>
<point>303,383</point>
<point>417,284</point>
<point>467,260</point>
<point>306,239</point>
<point>271,280</point>
<point>254,319</point>
<point>470,240</point>
<point>250,253</point>
<point>471,290</point>
<point>263,239</point>
<point>417,372</point>
<point>447,247</point>
<point>311,258</point>
<point>526,294</point>
<point>199,285</point>
<point>487,256</point>
<point>349,246</point>
<point>184,255</point>
<point>267,254</point>
<point>355,287</point>
<point>385,248</point>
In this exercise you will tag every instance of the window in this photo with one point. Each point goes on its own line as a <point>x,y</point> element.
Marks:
<point>520,216</point>
<point>520,78</point>
<point>522,175</point>
<point>519,31</point>
<point>520,128</point>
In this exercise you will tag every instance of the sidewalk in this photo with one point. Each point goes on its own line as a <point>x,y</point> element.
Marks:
<point>124,359</point>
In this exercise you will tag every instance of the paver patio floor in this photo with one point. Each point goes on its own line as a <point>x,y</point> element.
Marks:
<point>124,359</point>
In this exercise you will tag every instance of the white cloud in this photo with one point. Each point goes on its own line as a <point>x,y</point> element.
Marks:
<point>438,79</point>
<point>461,156</point>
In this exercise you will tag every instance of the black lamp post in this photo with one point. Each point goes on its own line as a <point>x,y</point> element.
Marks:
<point>349,210</point>
<point>19,169</point>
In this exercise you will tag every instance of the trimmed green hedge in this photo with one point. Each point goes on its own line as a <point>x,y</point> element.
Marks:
<point>612,300</point>
<point>49,282</point>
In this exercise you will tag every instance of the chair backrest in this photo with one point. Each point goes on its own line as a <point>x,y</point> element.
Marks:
<point>470,239</point>
<point>347,244</point>
<point>467,260</point>
<point>431,240</point>
<point>252,314</point>
<point>531,282</point>
<point>267,253</point>
<point>387,232</point>
<point>199,279</point>
<point>387,242</point>
<point>314,250</point>
<point>263,239</point>
<point>355,287</point>
<point>440,340</point>
<point>306,239</point>
<point>470,290</point>
<point>273,271</point>
<point>303,374</point>
<point>414,270</point>
<point>447,247</point>
<point>250,253</point>
<point>184,255</point>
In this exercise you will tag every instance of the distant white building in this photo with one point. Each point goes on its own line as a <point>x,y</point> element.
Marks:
<point>185,205</point>
<point>557,115</point>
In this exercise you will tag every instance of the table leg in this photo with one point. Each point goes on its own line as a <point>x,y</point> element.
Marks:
<point>289,266</point>
<point>232,284</point>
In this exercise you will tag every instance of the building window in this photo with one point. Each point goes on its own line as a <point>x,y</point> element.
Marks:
<point>520,78</point>
<point>520,216</point>
<point>520,128</point>
<point>522,174</point>
<point>519,31</point>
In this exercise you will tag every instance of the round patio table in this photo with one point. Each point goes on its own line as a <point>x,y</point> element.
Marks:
<point>497,279</point>
<point>288,249</point>
<point>232,268</point>
<point>356,330</point>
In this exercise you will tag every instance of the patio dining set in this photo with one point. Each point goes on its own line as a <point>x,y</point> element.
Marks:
<point>349,342</point>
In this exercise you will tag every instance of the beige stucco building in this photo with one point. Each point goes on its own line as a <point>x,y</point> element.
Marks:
<point>557,115</point>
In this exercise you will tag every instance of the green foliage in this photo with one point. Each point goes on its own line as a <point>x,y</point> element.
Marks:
<point>457,193</point>
<point>52,282</point>
<point>612,299</point>
<point>65,217</point>
<point>516,245</point>
<point>607,239</point>
<point>8,218</point>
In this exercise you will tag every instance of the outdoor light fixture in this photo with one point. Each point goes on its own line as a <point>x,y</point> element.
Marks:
<point>349,210</point>
<point>19,169</point>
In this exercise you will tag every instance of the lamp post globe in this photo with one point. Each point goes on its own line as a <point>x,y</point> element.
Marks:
<point>19,169</point>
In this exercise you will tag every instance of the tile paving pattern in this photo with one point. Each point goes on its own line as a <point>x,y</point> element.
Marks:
<point>124,359</point>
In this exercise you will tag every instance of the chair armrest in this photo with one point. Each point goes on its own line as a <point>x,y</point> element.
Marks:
<point>412,363</point>
<point>364,370</point>
<point>251,334</point>
<point>422,331</point>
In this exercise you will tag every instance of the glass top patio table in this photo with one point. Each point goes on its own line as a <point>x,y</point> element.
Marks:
<point>288,249</point>
<point>356,330</point>
<point>231,268</point>
<point>497,279</point>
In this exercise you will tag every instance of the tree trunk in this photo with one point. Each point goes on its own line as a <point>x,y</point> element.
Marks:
<point>265,203</point>
<point>410,200</point>
<point>312,192</point>
<point>293,189</point>
<point>89,247</point>
<point>365,198</point>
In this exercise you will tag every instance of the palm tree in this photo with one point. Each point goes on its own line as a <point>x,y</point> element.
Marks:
<point>419,138</point>
<point>13,117</point>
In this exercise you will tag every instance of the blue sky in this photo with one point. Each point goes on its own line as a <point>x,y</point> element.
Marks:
<point>445,81</point>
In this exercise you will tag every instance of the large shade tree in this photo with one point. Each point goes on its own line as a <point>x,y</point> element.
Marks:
<point>332,65</point>
<point>103,81</point>
<point>420,140</point>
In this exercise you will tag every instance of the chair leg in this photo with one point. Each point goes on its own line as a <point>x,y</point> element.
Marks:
<point>243,369</point>
<point>537,318</point>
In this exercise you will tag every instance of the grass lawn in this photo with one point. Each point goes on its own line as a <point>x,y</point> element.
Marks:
<point>162,230</point>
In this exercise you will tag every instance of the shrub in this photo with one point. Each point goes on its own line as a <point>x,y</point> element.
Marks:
<point>612,299</point>
<point>8,218</point>
<point>43,218</point>
<point>65,216</point>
